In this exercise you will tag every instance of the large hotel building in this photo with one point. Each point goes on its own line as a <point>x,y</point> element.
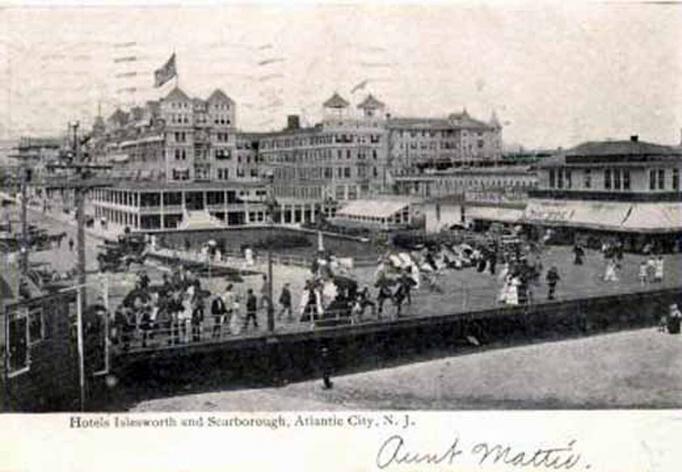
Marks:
<point>181,143</point>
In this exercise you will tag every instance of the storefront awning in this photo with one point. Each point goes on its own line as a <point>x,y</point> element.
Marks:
<point>609,216</point>
<point>503,215</point>
<point>371,209</point>
<point>658,217</point>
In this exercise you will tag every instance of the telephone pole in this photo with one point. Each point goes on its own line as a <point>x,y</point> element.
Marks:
<point>23,173</point>
<point>80,184</point>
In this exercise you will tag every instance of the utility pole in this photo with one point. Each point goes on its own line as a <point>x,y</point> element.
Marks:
<point>271,204</point>
<point>23,177</point>
<point>80,218</point>
<point>23,250</point>
<point>80,185</point>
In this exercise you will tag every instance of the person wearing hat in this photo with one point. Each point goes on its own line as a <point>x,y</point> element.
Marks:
<point>552,279</point>
<point>218,311</point>
<point>285,303</point>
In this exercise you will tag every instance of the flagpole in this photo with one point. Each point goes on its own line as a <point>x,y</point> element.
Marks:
<point>177,75</point>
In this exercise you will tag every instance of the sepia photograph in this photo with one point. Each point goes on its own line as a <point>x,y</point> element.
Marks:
<point>319,207</point>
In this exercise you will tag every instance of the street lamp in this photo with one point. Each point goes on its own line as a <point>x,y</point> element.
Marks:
<point>271,204</point>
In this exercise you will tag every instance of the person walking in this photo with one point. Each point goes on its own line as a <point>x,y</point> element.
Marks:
<point>610,273</point>
<point>406,283</point>
<point>71,244</point>
<point>231,307</point>
<point>285,303</point>
<point>234,316</point>
<point>383,295</point>
<point>552,279</point>
<point>264,294</point>
<point>513,290</point>
<point>492,261</point>
<point>251,309</point>
<point>651,268</point>
<point>659,265</point>
<point>218,311</point>
<point>643,273</point>
<point>579,254</point>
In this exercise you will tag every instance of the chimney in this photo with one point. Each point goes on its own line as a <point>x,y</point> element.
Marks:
<point>293,122</point>
<point>634,138</point>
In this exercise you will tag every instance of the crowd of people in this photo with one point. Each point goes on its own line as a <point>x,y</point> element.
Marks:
<point>180,310</point>
<point>651,270</point>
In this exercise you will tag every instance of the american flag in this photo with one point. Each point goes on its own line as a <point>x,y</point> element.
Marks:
<point>166,72</point>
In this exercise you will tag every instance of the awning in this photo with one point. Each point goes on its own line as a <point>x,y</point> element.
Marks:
<point>598,215</point>
<point>504,215</point>
<point>654,217</point>
<point>371,209</point>
<point>119,158</point>
<point>658,217</point>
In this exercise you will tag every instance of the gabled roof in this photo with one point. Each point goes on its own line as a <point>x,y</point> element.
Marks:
<point>371,103</point>
<point>176,94</point>
<point>463,120</point>
<point>336,101</point>
<point>219,96</point>
<point>437,123</point>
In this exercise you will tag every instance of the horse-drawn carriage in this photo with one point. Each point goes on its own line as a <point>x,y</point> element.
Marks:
<point>121,254</point>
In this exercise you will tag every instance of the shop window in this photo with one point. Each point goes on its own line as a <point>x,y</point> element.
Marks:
<point>676,179</point>
<point>587,178</point>
<point>18,359</point>
<point>652,179</point>
<point>626,180</point>
<point>607,179</point>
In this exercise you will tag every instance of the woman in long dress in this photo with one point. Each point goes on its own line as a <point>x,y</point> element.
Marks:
<point>504,290</point>
<point>513,292</point>
<point>186,315</point>
<point>236,321</point>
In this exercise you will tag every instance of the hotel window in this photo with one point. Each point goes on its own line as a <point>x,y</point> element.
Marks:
<point>652,179</point>
<point>626,180</point>
<point>587,178</point>
<point>661,179</point>
<point>607,179</point>
<point>616,179</point>
<point>676,179</point>
<point>552,181</point>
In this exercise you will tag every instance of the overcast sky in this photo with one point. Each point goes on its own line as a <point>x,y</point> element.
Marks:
<point>555,75</point>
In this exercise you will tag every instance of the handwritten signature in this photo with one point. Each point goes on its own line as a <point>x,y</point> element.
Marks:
<point>395,451</point>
